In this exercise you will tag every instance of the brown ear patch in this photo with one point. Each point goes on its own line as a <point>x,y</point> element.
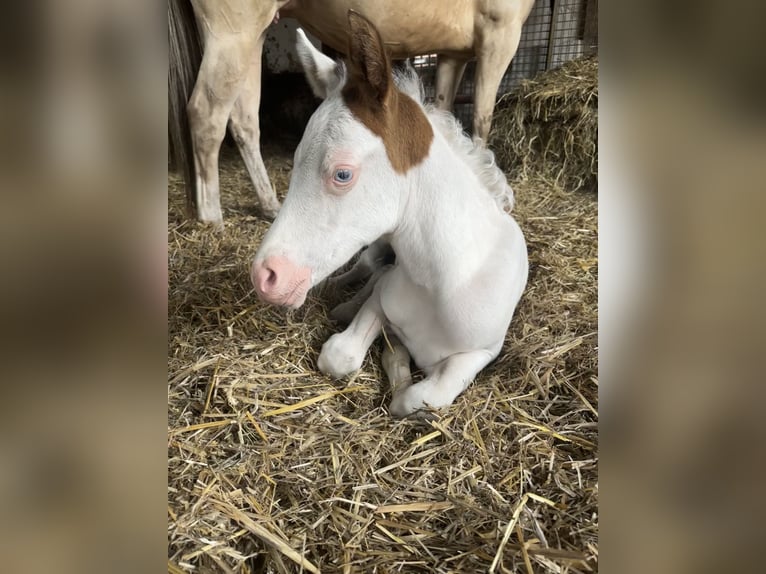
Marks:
<point>375,101</point>
<point>368,56</point>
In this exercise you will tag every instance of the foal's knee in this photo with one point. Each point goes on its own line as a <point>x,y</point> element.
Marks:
<point>337,359</point>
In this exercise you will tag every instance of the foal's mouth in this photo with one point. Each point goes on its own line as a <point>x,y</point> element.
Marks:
<point>296,297</point>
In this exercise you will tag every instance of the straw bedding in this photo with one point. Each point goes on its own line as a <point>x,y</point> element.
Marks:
<point>273,467</point>
<point>550,124</point>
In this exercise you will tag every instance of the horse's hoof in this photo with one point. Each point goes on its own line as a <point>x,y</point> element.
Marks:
<point>409,403</point>
<point>211,215</point>
<point>214,224</point>
<point>424,415</point>
<point>271,211</point>
<point>401,408</point>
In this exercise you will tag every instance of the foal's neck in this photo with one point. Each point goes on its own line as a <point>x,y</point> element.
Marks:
<point>449,224</point>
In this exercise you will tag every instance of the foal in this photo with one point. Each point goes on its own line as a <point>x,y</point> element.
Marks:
<point>374,163</point>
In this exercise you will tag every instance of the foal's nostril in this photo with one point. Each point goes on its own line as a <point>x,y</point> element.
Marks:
<point>266,279</point>
<point>278,280</point>
<point>271,278</point>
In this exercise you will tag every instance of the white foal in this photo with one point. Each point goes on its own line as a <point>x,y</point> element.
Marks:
<point>374,163</point>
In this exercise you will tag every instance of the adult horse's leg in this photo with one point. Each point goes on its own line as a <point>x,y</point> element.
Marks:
<point>443,385</point>
<point>231,32</point>
<point>497,45</point>
<point>449,71</point>
<point>245,129</point>
<point>220,78</point>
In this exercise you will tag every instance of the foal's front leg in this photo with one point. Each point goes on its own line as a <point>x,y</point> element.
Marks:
<point>370,261</point>
<point>441,388</point>
<point>345,312</point>
<point>343,353</point>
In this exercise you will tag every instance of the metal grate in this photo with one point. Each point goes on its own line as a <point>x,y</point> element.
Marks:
<point>555,32</point>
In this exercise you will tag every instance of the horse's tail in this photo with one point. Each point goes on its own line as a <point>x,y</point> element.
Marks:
<point>184,55</point>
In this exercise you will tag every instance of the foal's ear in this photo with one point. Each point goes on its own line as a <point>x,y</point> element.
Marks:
<point>368,55</point>
<point>320,69</point>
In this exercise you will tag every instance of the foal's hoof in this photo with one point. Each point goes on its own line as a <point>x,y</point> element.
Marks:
<point>425,415</point>
<point>409,403</point>
<point>401,408</point>
<point>422,414</point>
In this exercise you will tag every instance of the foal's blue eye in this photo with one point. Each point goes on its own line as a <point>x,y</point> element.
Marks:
<point>343,175</point>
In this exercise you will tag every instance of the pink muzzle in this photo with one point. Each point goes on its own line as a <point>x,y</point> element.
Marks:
<point>280,282</point>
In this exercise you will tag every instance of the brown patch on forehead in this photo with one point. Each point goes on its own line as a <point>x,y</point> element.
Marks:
<point>400,122</point>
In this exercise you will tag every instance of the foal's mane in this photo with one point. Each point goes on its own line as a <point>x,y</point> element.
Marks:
<point>478,158</point>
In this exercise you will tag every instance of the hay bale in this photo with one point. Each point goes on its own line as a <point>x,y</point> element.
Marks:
<point>549,125</point>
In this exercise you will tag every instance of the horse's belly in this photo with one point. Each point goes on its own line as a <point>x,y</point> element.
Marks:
<point>408,29</point>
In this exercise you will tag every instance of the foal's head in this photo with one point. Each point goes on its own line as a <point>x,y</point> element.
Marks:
<point>350,168</point>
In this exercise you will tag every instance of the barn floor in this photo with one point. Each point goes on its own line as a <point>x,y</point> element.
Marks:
<point>271,464</point>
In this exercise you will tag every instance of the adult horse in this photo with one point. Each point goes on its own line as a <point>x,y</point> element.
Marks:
<point>228,84</point>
